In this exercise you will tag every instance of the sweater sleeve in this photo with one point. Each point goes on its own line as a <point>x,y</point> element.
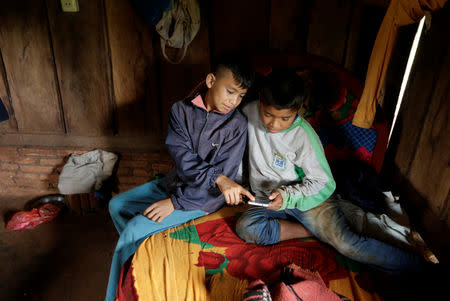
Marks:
<point>316,183</point>
<point>228,165</point>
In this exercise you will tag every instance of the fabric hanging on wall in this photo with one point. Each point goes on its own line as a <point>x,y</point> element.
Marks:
<point>178,27</point>
<point>399,12</point>
<point>3,112</point>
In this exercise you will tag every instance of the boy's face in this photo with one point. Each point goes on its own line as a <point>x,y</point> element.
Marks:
<point>276,120</point>
<point>224,93</point>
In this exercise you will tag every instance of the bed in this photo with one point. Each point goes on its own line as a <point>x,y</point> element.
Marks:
<point>205,260</point>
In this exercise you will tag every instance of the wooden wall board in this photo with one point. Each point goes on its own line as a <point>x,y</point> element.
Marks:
<point>289,22</point>
<point>413,111</point>
<point>328,29</point>
<point>133,70</point>
<point>239,24</point>
<point>9,126</point>
<point>29,67</point>
<point>81,60</point>
<point>177,81</point>
<point>365,21</point>
<point>356,22</point>
<point>429,171</point>
<point>420,147</point>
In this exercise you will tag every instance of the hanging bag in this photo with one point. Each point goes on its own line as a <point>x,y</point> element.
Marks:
<point>178,27</point>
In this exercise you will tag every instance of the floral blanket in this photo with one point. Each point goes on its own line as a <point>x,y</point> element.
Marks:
<point>205,260</point>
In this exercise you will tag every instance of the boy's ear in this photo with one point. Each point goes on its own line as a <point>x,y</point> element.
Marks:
<point>210,80</point>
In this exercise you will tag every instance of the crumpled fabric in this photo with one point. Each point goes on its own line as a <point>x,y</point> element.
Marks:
<point>31,219</point>
<point>295,284</point>
<point>86,172</point>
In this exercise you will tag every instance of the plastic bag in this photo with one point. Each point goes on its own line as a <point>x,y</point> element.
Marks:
<point>31,219</point>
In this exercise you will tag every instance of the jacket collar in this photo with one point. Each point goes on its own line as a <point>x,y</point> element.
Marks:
<point>198,102</point>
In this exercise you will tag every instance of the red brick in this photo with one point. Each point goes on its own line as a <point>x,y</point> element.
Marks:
<point>9,166</point>
<point>7,174</point>
<point>52,162</point>
<point>133,180</point>
<point>68,152</point>
<point>28,191</point>
<point>7,181</point>
<point>17,159</point>
<point>156,157</point>
<point>125,187</point>
<point>40,152</point>
<point>49,152</point>
<point>125,155</point>
<point>123,171</point>
<point>131,163</point>
<point>31,183</point>
<point>141,172</point>
<point>37,169</point>
<point>164,168</point>
<point>7,150</point>
<point>53,178</point>
<point>29,176</point>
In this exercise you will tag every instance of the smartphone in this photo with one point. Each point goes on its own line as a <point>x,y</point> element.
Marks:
<point>260,201</point>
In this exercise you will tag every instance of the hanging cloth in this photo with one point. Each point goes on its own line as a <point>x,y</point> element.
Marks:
<point>399,12</point>
<point>178,27</point>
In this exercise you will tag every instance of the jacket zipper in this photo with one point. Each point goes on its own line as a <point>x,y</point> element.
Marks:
<point>201,133</point>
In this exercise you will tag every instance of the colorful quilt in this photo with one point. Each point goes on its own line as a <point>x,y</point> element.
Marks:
<point>205,260</point>
<point>339,137</point>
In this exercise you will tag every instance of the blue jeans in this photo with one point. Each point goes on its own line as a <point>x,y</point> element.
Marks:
<point>328,223</point>
<point>126,212</point>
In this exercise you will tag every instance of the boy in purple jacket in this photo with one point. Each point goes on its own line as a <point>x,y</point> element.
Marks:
<point>206,139</point>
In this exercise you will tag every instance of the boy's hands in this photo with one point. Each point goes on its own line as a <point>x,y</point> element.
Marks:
<point>232,191</point>
<point>159,210</point>
<point>277,200</point>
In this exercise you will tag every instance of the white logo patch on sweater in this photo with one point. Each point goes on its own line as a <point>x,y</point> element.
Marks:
<point>279,161</point>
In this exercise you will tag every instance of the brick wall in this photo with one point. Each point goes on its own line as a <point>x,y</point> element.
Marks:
<point>33,172</point>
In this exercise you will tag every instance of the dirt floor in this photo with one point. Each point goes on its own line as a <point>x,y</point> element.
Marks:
<point>65,259</point>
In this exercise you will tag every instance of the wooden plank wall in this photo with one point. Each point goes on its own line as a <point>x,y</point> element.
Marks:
<point>419,151</point>
<point>96,78</point>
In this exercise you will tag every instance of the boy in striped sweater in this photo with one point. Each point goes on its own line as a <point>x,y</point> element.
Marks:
<point>287,165</point>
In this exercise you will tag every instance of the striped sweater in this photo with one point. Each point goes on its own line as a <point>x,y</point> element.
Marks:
<point>292,161</point>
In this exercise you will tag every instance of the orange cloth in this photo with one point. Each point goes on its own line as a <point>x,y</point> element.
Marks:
<point>399,12</point>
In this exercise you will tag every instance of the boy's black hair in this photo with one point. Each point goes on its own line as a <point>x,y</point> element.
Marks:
<point>283,89</point>
<point>240,66</point>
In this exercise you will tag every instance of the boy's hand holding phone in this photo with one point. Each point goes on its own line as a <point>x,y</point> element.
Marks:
<point>273,202</point>
<point>277,200</point>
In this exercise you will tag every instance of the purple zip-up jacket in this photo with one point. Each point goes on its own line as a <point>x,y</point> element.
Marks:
<point>203,146</point>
